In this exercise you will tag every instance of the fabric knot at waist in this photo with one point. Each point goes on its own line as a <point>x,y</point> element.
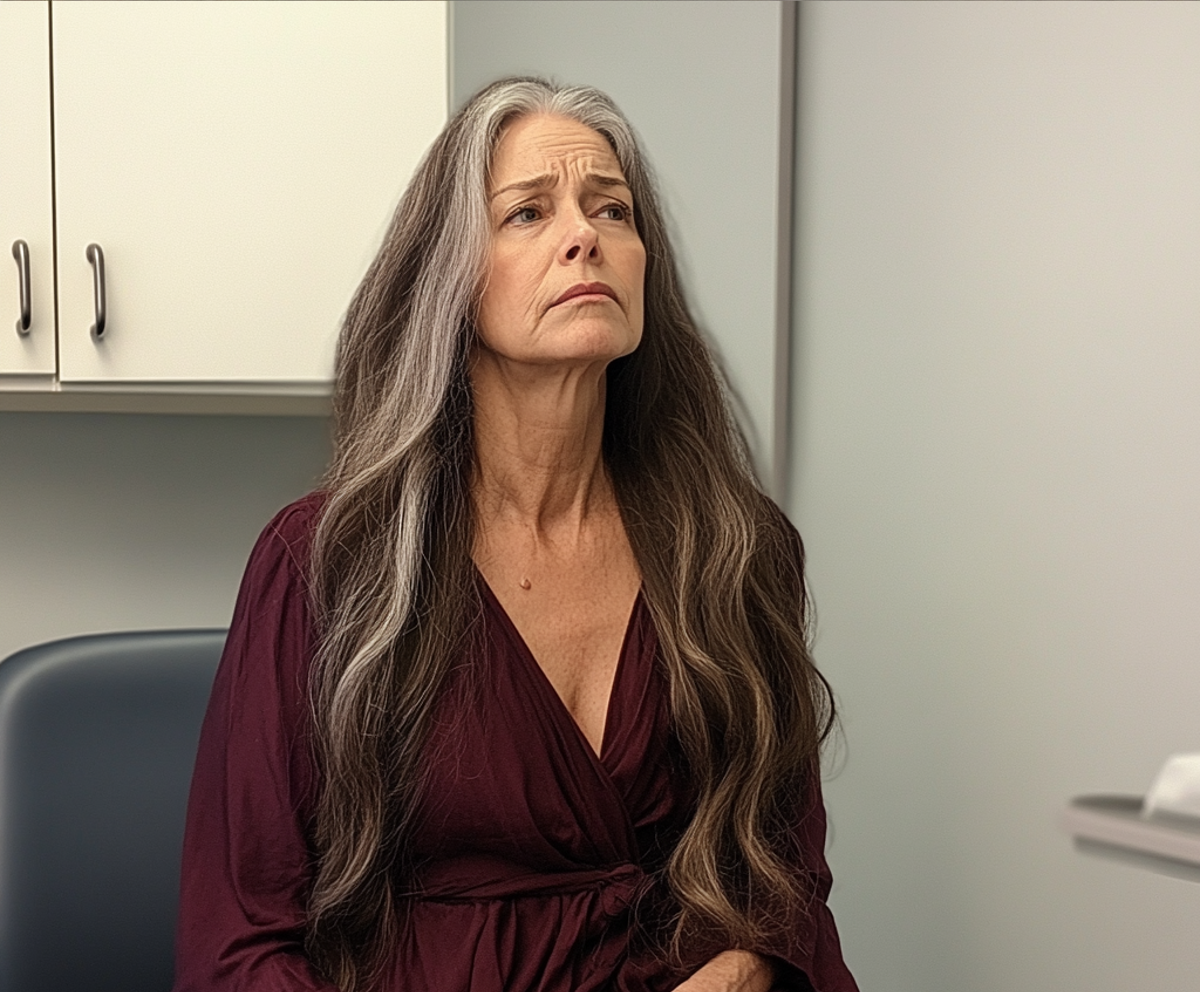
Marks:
<point>616,885</point>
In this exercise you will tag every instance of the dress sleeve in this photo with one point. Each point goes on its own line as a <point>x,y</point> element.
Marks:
<point>809,954</point>
<point>247,860</point>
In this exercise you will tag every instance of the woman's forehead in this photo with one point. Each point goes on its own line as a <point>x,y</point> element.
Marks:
<point>545,144</point>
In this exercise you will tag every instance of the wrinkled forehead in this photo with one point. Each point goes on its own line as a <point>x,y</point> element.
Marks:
<point>548,144</point>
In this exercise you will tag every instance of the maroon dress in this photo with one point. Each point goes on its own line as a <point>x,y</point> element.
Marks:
<point>533,848</point>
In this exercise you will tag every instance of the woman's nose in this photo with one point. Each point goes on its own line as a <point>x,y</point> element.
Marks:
<point>581,241</point>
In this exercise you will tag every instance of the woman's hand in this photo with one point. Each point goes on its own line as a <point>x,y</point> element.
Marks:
<point>732,971</point>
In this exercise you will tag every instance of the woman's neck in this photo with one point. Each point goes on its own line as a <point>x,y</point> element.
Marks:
<point>538,434</point>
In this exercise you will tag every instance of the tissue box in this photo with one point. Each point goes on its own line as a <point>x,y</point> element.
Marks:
<point>1176,791</point>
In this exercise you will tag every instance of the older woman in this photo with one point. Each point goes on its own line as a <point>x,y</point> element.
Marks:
<point>521,701</point>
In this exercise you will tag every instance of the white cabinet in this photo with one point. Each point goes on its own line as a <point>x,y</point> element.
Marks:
<point>237,163</point>
<point>26,211</point>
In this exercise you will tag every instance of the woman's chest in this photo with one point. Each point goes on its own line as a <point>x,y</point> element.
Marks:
<point>513,787</point>
<point>573,621</point>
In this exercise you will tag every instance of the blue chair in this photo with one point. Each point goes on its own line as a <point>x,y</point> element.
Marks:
<point>97,741</point>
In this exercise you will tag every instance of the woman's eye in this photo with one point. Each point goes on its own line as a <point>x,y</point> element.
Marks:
<point>615,211</point>
<point>526,215</point>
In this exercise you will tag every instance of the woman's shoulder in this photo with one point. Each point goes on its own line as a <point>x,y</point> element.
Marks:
<point>295,524</point>
<point>287,538</point>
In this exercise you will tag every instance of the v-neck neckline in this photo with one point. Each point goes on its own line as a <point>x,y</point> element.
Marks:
<point>539,673</point>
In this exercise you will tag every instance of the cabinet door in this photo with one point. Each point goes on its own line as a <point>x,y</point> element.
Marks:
<point>237,162</point>
<point>26,212</point>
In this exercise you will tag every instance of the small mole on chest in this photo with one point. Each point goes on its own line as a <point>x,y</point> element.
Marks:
<point>526,584</point>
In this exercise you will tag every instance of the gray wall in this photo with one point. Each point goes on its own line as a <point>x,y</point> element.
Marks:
<point>998,474</point>
<point>116,521</point>
<point>701,82</point>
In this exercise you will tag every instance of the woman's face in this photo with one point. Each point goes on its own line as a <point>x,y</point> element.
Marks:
<point>566,263</point>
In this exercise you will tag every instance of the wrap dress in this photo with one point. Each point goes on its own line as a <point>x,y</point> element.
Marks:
<point>534,853</point>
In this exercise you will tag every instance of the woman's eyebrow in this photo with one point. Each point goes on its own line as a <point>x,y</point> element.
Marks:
<point>544,181</point>
<point>599,179</point>
<point>548,181</point>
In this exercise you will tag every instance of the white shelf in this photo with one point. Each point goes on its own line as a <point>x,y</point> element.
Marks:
<point>1114,827</point>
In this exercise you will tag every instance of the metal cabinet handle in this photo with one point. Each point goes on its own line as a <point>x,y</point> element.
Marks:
<point>95,255</point>
<point>21,254</point>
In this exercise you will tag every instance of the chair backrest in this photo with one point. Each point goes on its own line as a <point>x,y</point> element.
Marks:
<point>97,741</point>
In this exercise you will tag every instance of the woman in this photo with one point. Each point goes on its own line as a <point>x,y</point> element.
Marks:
<point>522,699</point>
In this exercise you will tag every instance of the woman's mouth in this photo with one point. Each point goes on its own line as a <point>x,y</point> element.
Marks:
<point>587,290</point>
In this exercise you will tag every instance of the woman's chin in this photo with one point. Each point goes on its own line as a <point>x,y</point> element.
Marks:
<point>570,347</point>
<point>588,341</point>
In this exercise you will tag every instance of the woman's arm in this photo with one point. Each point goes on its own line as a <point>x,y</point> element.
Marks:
<point>805,953</point>
<point>246,859</point>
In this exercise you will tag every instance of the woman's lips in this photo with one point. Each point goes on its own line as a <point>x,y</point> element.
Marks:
<point>586,289</point>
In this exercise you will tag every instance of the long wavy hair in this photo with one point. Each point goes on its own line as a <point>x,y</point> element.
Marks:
<point>394,586</point>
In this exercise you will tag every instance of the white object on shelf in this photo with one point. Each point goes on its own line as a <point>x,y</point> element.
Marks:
<point>1177,788</point>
